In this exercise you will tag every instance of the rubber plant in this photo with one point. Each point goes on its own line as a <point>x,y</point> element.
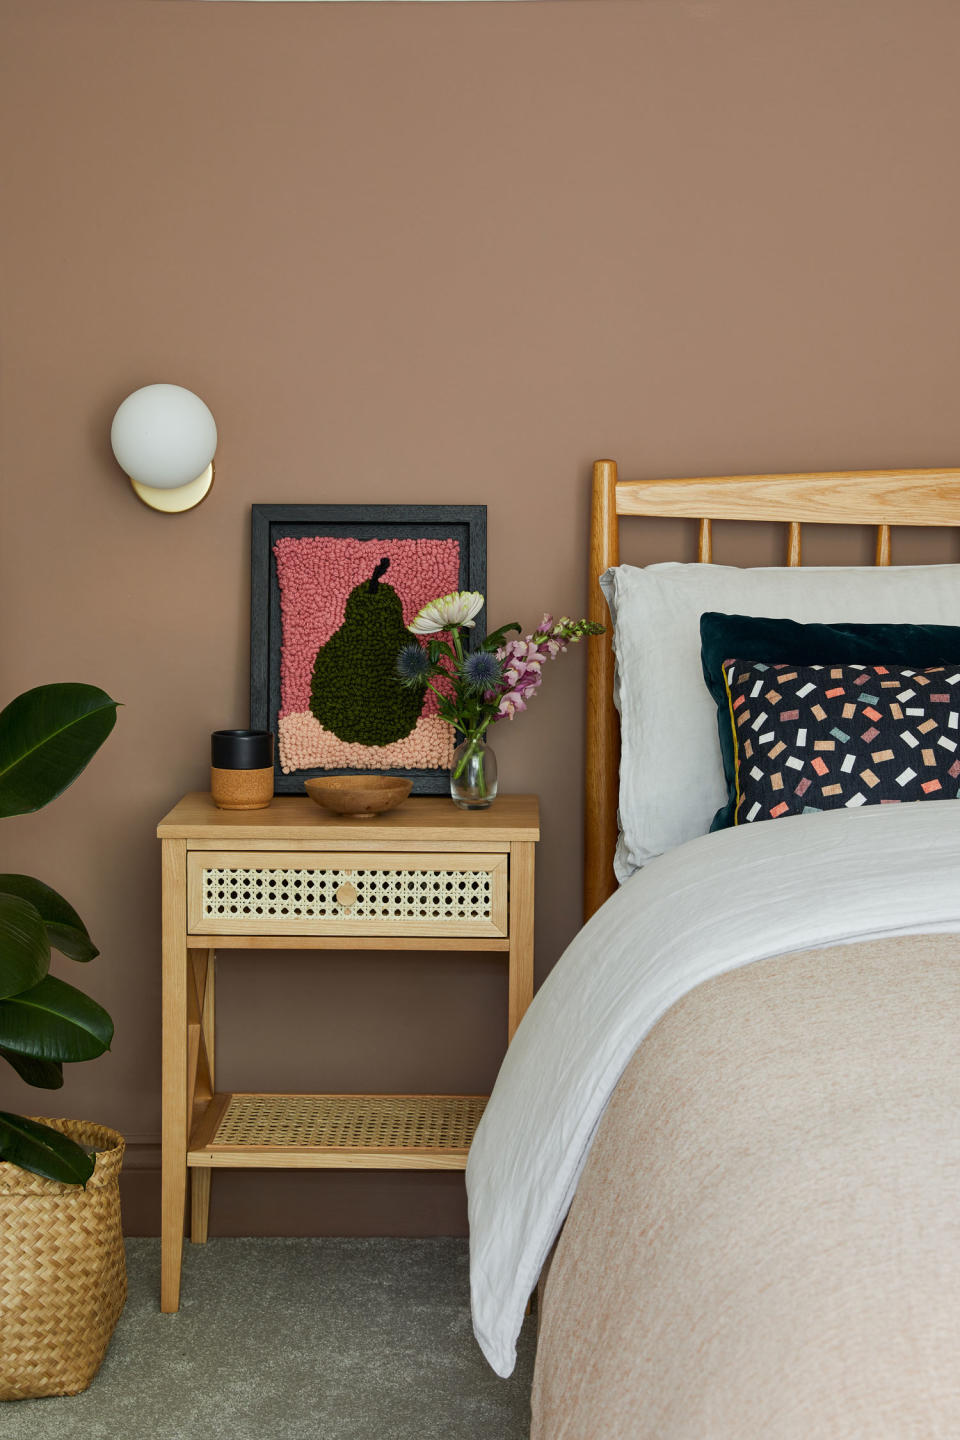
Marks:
<point>47,737</point>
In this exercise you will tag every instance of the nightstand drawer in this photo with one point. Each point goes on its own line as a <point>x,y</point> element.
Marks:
<point>249,893</point>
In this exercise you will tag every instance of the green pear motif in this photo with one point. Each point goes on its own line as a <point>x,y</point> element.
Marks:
<point>355,692</point>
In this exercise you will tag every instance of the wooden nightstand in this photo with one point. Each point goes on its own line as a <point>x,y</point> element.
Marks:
<point>426,876</point>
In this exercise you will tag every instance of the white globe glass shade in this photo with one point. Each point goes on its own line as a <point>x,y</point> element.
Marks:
<point>163,436</point>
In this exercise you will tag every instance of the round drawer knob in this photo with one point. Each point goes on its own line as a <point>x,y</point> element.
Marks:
<point>347,895</point>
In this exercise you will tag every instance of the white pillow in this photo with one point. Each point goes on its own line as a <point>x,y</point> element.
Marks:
<point>671,774</point>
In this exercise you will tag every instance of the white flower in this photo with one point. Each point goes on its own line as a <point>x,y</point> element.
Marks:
<point>457,608</point>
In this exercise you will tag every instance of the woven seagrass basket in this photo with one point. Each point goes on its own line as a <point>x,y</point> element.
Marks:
<point>63,1277</point>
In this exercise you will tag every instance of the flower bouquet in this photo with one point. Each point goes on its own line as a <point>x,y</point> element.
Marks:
<point>476,688</point>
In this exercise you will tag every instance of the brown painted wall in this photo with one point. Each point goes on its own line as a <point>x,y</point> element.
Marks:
<point>423,253</point>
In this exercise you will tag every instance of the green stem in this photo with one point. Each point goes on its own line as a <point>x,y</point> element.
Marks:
<point>472,741</point>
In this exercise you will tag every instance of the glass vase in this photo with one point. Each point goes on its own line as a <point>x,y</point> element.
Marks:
<point>473,774</point>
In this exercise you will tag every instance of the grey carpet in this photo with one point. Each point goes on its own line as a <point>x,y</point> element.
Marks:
<point>294,1340</point>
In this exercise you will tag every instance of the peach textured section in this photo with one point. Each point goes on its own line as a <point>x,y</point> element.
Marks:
<point>304,744</point>
<point>316,575</point>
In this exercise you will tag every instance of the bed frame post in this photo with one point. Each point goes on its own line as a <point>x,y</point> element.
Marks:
<point>603,732</point>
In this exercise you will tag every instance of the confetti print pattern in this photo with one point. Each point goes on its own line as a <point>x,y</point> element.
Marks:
<point>818,737</point>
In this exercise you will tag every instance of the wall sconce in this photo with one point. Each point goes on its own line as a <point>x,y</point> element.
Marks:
<point>164,437</point>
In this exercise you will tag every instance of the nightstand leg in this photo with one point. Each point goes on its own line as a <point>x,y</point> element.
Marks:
<point>201,1011</point>
<point>174,1080</point>
<point>209,1015</point>
<point>521,935</point>
<point>200,1177</point>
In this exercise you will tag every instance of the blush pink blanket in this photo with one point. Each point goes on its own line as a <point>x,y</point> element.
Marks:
<point>765,1242</point>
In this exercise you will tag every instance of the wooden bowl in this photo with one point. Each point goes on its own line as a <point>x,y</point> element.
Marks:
<point>358,796</point>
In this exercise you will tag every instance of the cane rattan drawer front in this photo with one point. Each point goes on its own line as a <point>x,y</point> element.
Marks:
<point>250,893</point>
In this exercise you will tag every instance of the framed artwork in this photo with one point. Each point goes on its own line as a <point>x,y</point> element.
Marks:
<point>332,590</point>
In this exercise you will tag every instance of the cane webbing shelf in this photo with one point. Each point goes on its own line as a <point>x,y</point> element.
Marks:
<point>411,1132</point>
<point>425,878</point>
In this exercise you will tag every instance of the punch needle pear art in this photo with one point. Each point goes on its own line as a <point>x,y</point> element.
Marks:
<point>345,603</point>
<point>355,690</point>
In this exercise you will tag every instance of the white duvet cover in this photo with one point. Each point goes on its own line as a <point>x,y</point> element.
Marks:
<point>714,904</point>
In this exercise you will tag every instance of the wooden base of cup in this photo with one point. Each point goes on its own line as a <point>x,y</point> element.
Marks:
<point>241,789</point>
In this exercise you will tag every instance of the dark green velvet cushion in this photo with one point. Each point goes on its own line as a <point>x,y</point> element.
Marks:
<point>775,641</point>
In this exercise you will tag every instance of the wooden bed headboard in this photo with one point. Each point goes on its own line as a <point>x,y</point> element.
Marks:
<point>832,497</point>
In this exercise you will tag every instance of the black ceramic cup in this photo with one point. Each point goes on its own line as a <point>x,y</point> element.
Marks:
<point>241,769</point>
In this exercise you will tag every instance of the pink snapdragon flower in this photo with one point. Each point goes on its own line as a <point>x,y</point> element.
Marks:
<point>523,669</point>
<point>510,704</point>
<point>523,660</point>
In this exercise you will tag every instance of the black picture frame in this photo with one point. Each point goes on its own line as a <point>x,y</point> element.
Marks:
<point>465,523</point>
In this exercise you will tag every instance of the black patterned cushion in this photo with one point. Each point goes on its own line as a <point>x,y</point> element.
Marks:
<point>818,737</point>
<point>767,638</point>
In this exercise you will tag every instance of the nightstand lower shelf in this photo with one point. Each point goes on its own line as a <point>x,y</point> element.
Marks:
<point>335,1132</point>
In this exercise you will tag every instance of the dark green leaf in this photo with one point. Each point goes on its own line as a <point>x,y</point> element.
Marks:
<point>47,737</point>
<point>44,1074</point>
<point>66,932</point>
<point>55,1021</point>
<point>24,948</point>
<point>498,637</point>
<point>43,1150</point>
<point>436,648</point>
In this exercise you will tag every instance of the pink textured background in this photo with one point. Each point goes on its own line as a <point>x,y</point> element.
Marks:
<point>316,576</point>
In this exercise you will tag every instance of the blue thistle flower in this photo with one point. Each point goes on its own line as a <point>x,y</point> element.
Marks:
<point>481,671</point>
<point>413,665</point>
